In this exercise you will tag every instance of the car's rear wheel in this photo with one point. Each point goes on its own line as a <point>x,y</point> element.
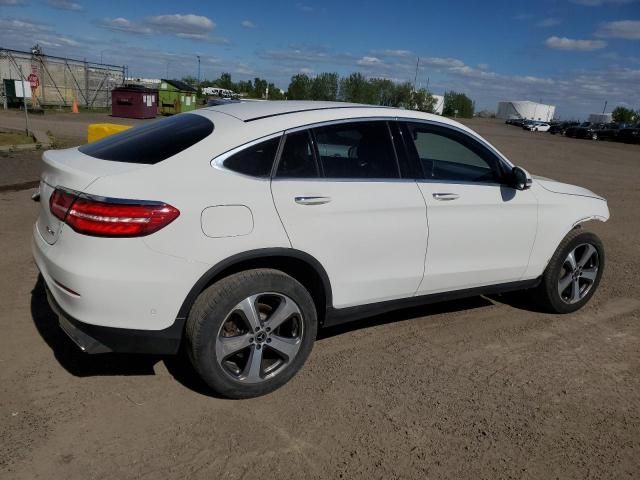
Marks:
<point>250,332</point>
<point>573,273</point>
<point>594,136</point>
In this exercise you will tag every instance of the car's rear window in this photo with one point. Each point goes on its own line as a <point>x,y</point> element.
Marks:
<point>152,143</point>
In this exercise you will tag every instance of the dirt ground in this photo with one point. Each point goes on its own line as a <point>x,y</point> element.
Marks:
<point>481,388</point>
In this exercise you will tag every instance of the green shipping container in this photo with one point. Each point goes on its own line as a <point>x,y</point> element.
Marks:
<point>175,96</point>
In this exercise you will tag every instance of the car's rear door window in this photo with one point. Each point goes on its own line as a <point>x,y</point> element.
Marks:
<point>297,159</point>
<point>255,160</point>
<point>356,150</point>
<point>153,142</point>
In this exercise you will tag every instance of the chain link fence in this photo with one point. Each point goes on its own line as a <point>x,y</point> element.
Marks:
<point>57,81</point>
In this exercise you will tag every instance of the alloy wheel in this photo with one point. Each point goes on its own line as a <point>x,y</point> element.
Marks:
<point>260,337</point>
<point>578,274</point>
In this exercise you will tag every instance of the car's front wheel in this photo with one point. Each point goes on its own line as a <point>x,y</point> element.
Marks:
<point>250,332</point>
<point>573,273</point>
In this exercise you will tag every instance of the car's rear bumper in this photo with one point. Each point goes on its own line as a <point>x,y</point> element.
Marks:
<point>98,339</point>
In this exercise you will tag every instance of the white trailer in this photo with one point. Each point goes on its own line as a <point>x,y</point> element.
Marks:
<point>526,110</point>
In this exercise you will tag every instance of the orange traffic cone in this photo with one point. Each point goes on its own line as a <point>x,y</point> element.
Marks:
<point>74,108</point>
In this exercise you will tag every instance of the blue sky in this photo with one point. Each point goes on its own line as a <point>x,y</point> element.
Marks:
<point>573,53</point>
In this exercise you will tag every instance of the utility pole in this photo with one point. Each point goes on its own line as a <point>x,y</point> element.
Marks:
<point>198,70</point>
<point>415,78</point>
<point>605,106</point>
<point>24,101</point>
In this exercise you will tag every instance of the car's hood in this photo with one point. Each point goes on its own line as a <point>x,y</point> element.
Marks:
<point>564,188</point>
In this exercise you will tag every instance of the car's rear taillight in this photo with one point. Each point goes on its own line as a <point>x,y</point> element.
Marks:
<point>111,217</point>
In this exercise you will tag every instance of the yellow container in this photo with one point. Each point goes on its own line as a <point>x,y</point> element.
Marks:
<point>97,131</point>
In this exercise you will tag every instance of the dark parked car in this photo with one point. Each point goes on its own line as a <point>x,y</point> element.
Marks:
<point>583,130</point>
<point>629,134</point>
<point>608,131</point>
<point>562,127</point>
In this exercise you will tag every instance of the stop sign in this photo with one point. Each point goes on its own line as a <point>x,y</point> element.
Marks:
<point>33,80</point>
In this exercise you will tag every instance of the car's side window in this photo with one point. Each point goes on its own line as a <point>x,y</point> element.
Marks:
<point>297,159</point>
<point>448,155</point>
<point>256,160</point>
<point>356,150</point>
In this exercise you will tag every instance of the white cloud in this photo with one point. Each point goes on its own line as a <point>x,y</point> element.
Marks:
<point>188,26</point>
<point>369,61</point>
<point>564,43</point>
<point>548,22</point>
<point>65,5</point>
<point>17,26</point>
<point>121,24</point>
<point>627,29</point>
<point>178,23</point>
<point>248,24</point>
<point>11,3</point>
<point>305,8</point>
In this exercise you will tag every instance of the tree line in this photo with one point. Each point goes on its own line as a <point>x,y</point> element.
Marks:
<point>355,88</point>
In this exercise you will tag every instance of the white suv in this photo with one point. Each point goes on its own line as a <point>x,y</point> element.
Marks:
<point>241,229</point>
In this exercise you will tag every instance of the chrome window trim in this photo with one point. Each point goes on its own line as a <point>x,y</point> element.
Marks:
<point>218,161</point>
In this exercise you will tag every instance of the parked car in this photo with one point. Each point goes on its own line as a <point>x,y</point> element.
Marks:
<point>538,127</point>
<point>629,134</point>
<point>561,127</point>
<point>238,231</point>
<point>579,131</point>
<point>607,131</point>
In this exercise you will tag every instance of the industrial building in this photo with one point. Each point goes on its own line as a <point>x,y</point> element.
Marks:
<point>58,81</point>
<point>526,110</point>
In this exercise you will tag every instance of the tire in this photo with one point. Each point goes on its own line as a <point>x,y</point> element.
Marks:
<point>550,294</point>
<point>594,136</point>
<point>224,311</point>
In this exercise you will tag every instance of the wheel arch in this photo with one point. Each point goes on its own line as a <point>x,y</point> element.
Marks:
<point>305,268</point>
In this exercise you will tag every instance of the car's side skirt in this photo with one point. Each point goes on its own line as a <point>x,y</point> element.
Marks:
<point>337,316</point>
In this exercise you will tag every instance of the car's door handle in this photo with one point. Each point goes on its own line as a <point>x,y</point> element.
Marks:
<point>446,196</point>
<point>312,200</point>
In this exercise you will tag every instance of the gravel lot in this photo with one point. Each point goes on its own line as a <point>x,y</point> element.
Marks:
<point>482,388</point>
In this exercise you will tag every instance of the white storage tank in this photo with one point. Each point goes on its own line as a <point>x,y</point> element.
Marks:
<point>438,106</point>
<point>600,118</point>
<point>526,110</point>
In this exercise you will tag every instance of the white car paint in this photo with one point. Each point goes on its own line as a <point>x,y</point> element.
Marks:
<point>377,240</point>
<point>539,127</point>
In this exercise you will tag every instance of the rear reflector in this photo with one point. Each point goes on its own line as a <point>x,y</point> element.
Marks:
<point>112,217</point>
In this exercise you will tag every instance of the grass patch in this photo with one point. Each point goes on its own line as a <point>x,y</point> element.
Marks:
<point>7,139</point>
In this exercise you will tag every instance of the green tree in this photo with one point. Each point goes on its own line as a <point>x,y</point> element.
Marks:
<point>300,87</point>
<point>457,101</point>
<point>355,88</point>
<point>423,101</point>
<point>225,81</point>
<point>623,115</point>
<point>275,93</point>
<point>259,87</point>
<point>325,87</point>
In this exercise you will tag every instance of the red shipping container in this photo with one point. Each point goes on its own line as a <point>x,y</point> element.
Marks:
<point>134,101</point>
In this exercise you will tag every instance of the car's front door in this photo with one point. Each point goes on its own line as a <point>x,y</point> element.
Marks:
<point>341,198</point>
<point>481,230</point>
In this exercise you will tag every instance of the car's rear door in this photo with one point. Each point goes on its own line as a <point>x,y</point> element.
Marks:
<point>481,230</point>
<point>342,199</point>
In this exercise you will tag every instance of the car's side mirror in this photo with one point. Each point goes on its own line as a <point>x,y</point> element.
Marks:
<point>521,179</point>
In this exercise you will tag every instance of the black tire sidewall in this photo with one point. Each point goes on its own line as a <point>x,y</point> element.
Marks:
<point>215,304</point>
<point>551,276</point>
